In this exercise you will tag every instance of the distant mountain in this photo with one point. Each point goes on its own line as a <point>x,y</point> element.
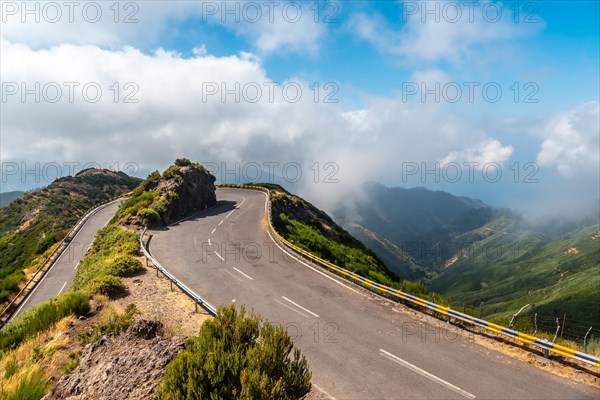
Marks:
<point>7,197</point>
<point>34,222</point>
<point>395,223</point>
<point>481,256</point>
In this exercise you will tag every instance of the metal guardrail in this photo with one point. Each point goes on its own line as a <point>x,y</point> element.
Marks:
<point>544,344</point>
<point>7,313</point>
<point>197,299</point>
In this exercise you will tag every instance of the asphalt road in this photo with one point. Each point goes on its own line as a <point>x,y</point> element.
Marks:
<point>359,346</point>
<point>59,277</point>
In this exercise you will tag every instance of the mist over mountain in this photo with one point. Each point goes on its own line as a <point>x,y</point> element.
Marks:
<point>482,256</point>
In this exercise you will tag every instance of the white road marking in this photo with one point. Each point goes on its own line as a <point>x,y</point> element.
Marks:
<point>77,266</point>
<point>299,306</point>
<point>426,374</point>
<point>218,255</point>
<point>311,267</point>
<point>213,231</point>
<point>61,289</point>
<point>231,273</point>
<point>290,308</point>
<point>249,277</point>
<point>220,223</point>
<point>324,392</point>
<point>209,243</point>
<point>235,208</point>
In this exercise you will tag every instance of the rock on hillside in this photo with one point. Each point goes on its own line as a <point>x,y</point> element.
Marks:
<point>130,366</point>
<point>182,190</point>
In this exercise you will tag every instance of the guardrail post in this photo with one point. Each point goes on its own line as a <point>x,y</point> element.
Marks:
<point>171,284</point>
<point>196,305</point>
<point>545,350</point>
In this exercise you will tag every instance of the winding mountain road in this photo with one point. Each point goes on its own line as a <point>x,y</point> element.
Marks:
<point>359,345</point>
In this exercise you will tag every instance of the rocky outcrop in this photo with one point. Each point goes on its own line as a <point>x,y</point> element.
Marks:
<point>185,190</point>
<point>130,366</point>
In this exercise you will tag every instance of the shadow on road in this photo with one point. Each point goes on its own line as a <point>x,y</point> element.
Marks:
<point>222,207</point>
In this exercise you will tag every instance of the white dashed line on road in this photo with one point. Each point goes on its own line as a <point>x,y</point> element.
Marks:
<point>291,308</point>
<point>426,374</point>
<point>218,255</point>
<point>249,277</point>
<point>299,306</point>
<point>220,222</point>
<point>61,289</point>
<point>213,231</point>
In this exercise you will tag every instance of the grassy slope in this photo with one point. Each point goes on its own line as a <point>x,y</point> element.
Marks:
<point>32,224</point>
<point>509,269</point>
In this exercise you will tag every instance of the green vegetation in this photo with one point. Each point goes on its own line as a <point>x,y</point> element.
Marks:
<point>237,357</point>
<point>31,388</point>
<point>153,207</point>
<point>72,364</point>
<point>109,259</point>
<point>112,324</point>
<point>352,258</point>
<point>41,317</point>
<point>31,225</point>
<point>507,271</point>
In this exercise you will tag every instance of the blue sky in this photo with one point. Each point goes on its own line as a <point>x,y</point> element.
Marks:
<point>374,52</point>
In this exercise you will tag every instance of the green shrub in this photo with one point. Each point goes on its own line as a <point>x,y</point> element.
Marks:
<point>113,325</point>
<point>237,357</point>
<point>72,364</point>
<point>125,266</point>
<point>11,368</point>
<point>149,216</point>
<point>41,317</point>
<point>30,388</point>
<point>183,162</point>
<point>108,285</point>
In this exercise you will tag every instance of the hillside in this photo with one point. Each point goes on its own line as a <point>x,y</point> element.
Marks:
<point>7,197</point>
<point>487,258</point>
<point>393,221</point>
<point>89,342</point>
<point>510,267</point>
<point>33,223</point>
<point>182,190</point>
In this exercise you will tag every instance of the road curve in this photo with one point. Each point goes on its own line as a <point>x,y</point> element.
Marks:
<point>60,276</point>
<point>359,345</point>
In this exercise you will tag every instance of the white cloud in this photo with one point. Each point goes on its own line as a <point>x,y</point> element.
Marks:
<point>485,152</point>
<point>172,118</point>
<point>572,140</point>
<point>141,24</point>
